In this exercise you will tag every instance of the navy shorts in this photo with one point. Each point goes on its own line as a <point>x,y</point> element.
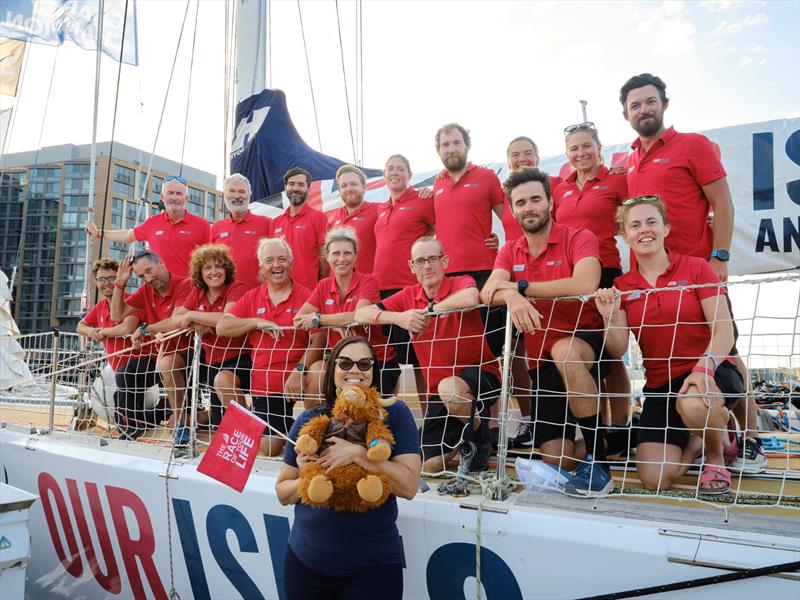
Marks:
<point>276,410</point>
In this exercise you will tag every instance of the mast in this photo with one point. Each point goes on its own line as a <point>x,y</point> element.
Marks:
<point>251,47</point>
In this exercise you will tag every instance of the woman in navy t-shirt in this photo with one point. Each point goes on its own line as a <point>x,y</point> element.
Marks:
<point>344,554</point>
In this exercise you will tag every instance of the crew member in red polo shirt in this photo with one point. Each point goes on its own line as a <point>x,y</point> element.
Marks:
<point>280,357</point>
<point>685,336</point>
<point>303,228</point>
<point>522,151</point>
<point>685,171</point>
<point>589,198</point>
<point>134,371</point>
<point>564,339</point>
<point>357,213</point>
<point>214,290</point>
<point>241,229</point>
<point>155,300</point>
<point>458,365</point>
<point>172,234</point>
<point>333,304</point>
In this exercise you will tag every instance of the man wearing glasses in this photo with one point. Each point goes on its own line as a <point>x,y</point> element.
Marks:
<point>454,357</point>
<point>172,234</point>
<point>686,172</point>
<point>155,301</point>
<point>241,230</point>
<point>563,339</point>
<point>134,370</point>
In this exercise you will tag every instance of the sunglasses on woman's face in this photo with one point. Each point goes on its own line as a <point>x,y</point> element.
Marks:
<point>345,364</point>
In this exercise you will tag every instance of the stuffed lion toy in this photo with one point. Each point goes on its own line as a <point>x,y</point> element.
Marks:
<point>358,417</point>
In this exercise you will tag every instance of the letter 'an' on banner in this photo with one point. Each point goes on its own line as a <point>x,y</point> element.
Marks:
<point>232,452</point>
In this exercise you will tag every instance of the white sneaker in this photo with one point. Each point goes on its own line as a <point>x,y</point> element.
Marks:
<point>750,458</point>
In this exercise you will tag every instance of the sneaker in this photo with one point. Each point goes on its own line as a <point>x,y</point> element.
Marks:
<point>182,436</point>
<point>591,480</point>
<point>480,437</point>
<point>524,435</point>
<point>750,458</point>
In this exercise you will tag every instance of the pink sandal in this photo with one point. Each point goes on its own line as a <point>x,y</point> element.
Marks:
<point>714,474</point>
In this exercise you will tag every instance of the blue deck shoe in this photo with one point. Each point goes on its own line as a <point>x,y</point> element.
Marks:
<point>591,480</point>
<point>182,436</point>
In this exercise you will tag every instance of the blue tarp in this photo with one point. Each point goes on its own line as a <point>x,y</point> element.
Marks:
<point>266,145</point>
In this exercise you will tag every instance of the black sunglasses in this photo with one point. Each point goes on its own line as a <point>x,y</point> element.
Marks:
<point>176,178</point>
<point>142,253</point>
<point>641,200</point>
<point>345,364</point>
<point>585,125</point>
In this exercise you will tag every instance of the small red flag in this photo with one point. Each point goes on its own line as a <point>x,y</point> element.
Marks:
<point>232,452</point>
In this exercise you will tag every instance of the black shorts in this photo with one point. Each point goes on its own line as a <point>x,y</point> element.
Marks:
<point>241,366</point>
<point>399,338</point>
<point>660,421</point>
<point>276,410</point>
<point>494,318</point>
<point>550,412</point>
<point>607,277</point>
<point>442,433</point>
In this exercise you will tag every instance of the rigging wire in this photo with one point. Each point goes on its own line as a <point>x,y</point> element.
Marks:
<point>344,78</point>
<point>308,68</point>
<point>226,84</point>
<point>189,87</point>
<point>360,6</point>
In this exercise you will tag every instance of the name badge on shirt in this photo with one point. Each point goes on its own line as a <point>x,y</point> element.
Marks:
<point>472,186</point>
<point>519,268</point>
<point>160,232</point>
<point>567,193</point>
<point>600,187</point>
<point>679,282</point>
<point>224,234</point>
<point>184,231</point>
<point>411,207</point>
<point>440,191</point>
<point>329,302</point>
<point>554,263</point>
<point>249,232</point>
<point>661,161</point>
<point>299,226</point>
<point>278,229</point>
<point>261,311</point>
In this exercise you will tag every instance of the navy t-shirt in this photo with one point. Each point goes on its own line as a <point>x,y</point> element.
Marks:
<point>343,543</point>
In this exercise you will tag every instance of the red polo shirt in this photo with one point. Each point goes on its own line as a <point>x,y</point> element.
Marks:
<point>327,300</point>
<point>464,217</point>
<point>273,360</point>
<point>154,307</point>
<point>565,247</point>
<point>174,241</point>
<point>452,341</point>
<point>510,226</point>
<point>362,220</point>
<point>399,224</point>
<point>593,207</point>
<point>669,325</point>
<point>218,349</point>
<point>675,168</point>
<point>305,234</point>
<point>242,238</point>
<point>100,316</point>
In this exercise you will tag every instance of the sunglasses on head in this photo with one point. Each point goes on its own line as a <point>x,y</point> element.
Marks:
<point>176,178</point>
<point>580,126</point>
<point>641,200</point>
<point>345,364</point>
<point>142,253</point>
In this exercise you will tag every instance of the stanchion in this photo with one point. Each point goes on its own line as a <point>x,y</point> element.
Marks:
<point>53,381</point>
<point>195,383</point>
<point>500,493</point>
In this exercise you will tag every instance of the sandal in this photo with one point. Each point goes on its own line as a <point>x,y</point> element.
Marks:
<point>714,474</point>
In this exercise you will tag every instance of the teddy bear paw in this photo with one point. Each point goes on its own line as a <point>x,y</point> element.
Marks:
<point>370,488</point>
<point>306,445</point>
<point>379,452</point>
<point>320,489</point>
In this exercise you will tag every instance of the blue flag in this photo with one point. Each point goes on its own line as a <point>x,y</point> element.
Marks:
<point>54,21</point>
<point>266,145</point>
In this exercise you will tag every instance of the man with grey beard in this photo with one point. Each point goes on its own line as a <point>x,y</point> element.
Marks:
<point>303,228</point>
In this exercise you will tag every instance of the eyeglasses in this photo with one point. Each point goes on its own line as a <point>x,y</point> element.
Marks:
<point>641,200</point>
<point>109,279</point>
<point>431,260</point>
<point>345,364</point>
<point>175,178</point>
<point>580,126</point>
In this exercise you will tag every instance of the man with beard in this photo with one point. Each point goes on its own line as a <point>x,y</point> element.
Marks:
<point>549,261</point>
<point>241,230</point>
<point>303,228</point>
<point>172,234</point>
<point>685,171</point>
<point>357,214</point>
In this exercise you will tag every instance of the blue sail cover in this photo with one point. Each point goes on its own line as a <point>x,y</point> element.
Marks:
<point>266,145</point>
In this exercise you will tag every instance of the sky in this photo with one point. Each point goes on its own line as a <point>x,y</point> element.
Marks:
<point>502,69</point>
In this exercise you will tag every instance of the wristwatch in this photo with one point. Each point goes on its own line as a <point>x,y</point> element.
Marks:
<point>315,320</point>
<point>721,254</point>
<point>430,306</point>
<point>301,367</point>
<point>143,329</point>
<point>522,285</point>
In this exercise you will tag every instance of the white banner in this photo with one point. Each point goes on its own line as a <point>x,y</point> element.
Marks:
<point>763,165</point>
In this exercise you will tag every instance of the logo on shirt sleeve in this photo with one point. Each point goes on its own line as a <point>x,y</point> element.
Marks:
<point>678,282</point>
<point>567,193</point>
<point>631,168</point>
<point>519,268</point>
<point>224,234</point>
<point>661,161</point>
<point>440,191</point>
<point>160,232</point>
<point>261,311</point>
<point>554,263</point>
<point>471,186</point>
<point>600,187</point>
<point>278,229</point>
<point>635,295</point>
<point>411,207</point>
<point>329,302</point>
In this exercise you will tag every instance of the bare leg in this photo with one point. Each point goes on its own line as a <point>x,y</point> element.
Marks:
<point>228,388</point>
<point>171,367</point>
<point>660,465</point>
<point>457,397</point>
<point>312,394</point>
